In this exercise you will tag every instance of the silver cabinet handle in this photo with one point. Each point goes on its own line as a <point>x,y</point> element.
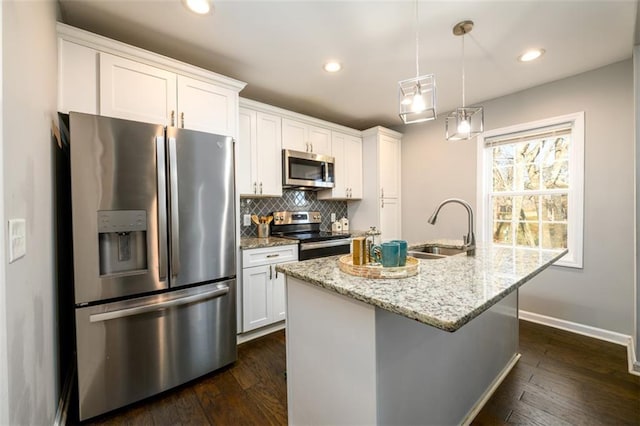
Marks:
<point>270,273</point>
<point>173,118</point>
<point>260,188</point>
<point>162,208</point>
<point>255,187</point>
<point>138,310</point>
<point>382,192</point>
<point>273,255</point>
<point>382,203</point>
<point>311,147</point>
<point>182,119</point>
<point>307,145</point>
<point>175,222</point>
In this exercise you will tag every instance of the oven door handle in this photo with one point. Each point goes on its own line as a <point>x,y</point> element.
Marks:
<point>323,244</point>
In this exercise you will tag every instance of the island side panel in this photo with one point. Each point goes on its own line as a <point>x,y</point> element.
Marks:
<point>430,376</point>
<point>330,357</point>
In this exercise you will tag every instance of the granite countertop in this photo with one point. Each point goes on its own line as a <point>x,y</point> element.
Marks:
<point>447,293</point>
<point>254,243</point>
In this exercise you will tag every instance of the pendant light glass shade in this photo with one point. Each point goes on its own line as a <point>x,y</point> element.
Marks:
<point>417,96</point>
<point>417,99</point>
<point>465,122</point>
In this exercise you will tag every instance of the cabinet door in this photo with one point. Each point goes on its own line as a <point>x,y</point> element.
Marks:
<point>294,135</point>
<point>319,140</point>
<point>206,107</point>
<point>338,144</point>
<point>269,154</point>
<point>247,182</point>
<point>77,78</point>
<point>256,297</point>
<point>135,91</point>
<point>353,154</point>
<point>390,219</point>
<point>389,167</point>
<point>279,297</point>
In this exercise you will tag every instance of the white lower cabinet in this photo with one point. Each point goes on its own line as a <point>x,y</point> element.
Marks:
<point>263,288</point>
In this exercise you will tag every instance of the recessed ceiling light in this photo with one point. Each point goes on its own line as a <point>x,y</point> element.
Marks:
<point>332,66</point>
<point>530,55</point>
<point>201,7</point>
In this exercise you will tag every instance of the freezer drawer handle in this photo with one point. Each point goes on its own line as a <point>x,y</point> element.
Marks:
<point>138,310</point>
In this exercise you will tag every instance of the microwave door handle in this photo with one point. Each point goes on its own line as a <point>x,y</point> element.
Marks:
<point>161,173</point>
<point>325,165</point>
<point>173,201</point>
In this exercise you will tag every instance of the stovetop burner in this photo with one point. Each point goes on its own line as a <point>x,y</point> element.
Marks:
<point>301,226</point>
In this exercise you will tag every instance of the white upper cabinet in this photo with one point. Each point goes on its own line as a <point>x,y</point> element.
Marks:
<point>260,154</point>
<point>206,107</point>
<point>77,78</point>
<point>347,152</point>
<point>389,167</point>
<point>136,91</point>
<point>101,76</point>
<point>304,137</point>
<point>353,156</point>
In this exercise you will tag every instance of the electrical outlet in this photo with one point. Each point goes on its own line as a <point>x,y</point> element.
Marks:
<point>246,220</point>
<point>333,217</point>
<point>17,239</point>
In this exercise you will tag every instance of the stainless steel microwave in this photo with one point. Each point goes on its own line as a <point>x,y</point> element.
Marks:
<point>306,170</point>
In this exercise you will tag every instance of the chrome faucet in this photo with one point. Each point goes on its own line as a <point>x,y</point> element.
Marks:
<point>470,238</point>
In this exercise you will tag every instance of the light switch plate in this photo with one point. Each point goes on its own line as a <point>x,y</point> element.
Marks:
<point>333,217</point>
<point>246,220</point>
<point>17,239</point>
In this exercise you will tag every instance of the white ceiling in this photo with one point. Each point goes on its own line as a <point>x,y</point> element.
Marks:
<point>279,47</point>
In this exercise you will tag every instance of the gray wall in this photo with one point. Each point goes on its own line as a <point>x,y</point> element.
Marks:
<point>29,63</point>
<point>602,293</point>
<point>636,84</point>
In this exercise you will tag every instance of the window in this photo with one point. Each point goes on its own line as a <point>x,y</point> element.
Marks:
<point>530,188</point>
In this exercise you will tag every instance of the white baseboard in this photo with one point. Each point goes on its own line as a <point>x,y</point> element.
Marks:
<point>491,390</point>
<point>589,331</point>
<point>254,334</point>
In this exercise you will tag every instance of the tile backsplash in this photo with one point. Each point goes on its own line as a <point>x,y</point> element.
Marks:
<point>293,200</point>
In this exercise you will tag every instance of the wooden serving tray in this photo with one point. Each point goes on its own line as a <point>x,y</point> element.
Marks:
<point>345,263</point>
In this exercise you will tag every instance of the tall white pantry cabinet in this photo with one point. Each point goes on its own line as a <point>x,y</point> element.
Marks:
<point>380,204</point>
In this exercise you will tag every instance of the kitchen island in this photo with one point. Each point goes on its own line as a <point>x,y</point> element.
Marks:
<point>427,349</point>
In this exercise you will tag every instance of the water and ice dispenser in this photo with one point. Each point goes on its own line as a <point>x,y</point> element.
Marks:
<point>122,241</point>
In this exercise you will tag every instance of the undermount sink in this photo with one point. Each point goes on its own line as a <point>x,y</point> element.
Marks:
<point>435,252</point>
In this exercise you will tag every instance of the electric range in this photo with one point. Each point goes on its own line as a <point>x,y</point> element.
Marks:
<point>304,226</point>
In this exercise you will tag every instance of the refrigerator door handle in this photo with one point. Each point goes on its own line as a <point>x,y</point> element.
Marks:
<point>175,223</point>
<point>162,208</point>
<point>138,310</point>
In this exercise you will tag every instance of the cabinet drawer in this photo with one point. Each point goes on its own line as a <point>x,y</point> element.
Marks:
<point>269,255</point>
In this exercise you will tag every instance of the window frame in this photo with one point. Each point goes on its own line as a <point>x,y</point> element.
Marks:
<point>575,220</point>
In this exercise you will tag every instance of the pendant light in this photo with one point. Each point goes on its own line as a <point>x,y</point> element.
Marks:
<point>417,96</point>
<point>466,122</point>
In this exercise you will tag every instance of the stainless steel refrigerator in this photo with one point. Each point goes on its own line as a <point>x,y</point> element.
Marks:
<point>154,258</point>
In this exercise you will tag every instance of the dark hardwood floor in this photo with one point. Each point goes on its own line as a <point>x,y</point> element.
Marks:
<point>561,379</point>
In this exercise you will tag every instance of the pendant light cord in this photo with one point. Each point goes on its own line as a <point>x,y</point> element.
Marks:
<point>463,103</point>
<point>417,43</point>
